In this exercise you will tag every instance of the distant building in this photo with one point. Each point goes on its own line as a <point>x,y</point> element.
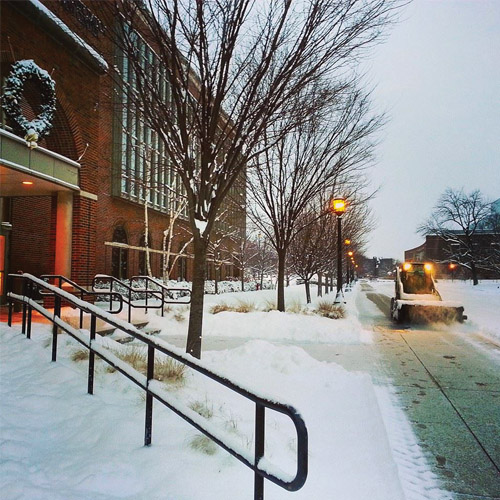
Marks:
<point>436,249</point>
<point>377,267</point>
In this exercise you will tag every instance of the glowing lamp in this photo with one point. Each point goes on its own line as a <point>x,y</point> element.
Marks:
<point>347,242</point>
<point>452,266</point>
<point>28,183</point>
<point>406,266</point>
<point>337,206</point>
<point>428,267</point>
<point>350,254</point>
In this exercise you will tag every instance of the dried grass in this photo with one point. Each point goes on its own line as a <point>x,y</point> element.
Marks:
<point>166,369</point>
<point>241,307</point>
<point>329,310</point>
<point>80,355</point>
<point>203,444</point>
<point>218,308</point>
<point>203,408</point>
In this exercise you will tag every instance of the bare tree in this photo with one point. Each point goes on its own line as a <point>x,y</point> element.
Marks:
<point>264,261</point>
<point>324,154</point>
<point>309,250</point>
<point>459,219</point>
<point>314,249</point>
<point>221,73</point>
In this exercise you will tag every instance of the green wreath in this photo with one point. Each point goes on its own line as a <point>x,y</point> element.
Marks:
<point>11,103</point>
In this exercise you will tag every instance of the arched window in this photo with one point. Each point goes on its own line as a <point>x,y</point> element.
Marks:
<point>119,258</point>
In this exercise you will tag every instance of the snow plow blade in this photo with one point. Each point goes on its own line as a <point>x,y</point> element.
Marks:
<point>415,313</point>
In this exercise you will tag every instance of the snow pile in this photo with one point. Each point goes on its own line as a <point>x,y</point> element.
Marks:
<point>59,443</point>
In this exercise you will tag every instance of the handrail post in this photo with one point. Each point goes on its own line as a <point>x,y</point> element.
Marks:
<point>259,449</point>
<point>23,328</point>
<point>30,309</point>
<point>90,386</point>
<point>110,295</point>
<point>149,397</point>
<point>57,313</point>
<point>11,307</point>
<point>147,282</point>
<point>162,302</point>
<point>81,311</point>
<point>130,305</point>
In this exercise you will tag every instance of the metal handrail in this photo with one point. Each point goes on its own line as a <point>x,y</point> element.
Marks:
<point>83,292</point>
<point>262,470</point>
<point>157,294</point>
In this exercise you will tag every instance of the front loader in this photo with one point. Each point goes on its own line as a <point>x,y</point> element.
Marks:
<point>417,299</point>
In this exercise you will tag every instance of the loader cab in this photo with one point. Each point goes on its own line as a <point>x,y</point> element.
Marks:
<point>416,278</point>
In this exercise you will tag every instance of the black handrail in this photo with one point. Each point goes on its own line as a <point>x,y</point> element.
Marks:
<point>60,280</point>
<point>153,388</point>
<point>166,292</point>
<point>161,294</point>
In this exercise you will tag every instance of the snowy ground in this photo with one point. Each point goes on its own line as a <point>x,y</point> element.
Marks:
<point>57,442</point>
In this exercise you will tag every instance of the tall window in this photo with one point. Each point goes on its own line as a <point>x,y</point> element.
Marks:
<point>119,256</point>
<point>143,171</point>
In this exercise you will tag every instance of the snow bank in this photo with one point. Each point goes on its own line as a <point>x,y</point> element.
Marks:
<point>59,443</point>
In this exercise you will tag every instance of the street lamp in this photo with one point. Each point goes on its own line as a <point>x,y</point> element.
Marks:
<point>337,206</point>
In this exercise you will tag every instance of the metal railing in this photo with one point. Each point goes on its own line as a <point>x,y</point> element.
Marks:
<point>258,463</point>
<point>153,290</point>
<point>77,290</point>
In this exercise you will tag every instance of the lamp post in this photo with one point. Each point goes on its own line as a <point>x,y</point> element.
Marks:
<point>337,206</point>
<point>452,267</point>
<point>350,275</point>
<point>347,242</point>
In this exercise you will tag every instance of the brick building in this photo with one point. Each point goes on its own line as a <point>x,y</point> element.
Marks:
<point>74,205</point>
<point>447,255</point>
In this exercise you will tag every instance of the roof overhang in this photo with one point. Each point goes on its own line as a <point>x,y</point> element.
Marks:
<point>48,172</point>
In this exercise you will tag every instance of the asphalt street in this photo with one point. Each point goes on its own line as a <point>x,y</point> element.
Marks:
<point>449,388</point>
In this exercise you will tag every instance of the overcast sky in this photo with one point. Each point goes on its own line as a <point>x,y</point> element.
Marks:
<point>437,77</point>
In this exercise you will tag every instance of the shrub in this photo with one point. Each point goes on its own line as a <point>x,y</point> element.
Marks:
<point>330,310</point>
<point>244,307</point>
<point>217,308</point>
<point>296,307</point>
<point>269,305</point>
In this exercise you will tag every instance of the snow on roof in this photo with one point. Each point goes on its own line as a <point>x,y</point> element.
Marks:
<point>70,36</point>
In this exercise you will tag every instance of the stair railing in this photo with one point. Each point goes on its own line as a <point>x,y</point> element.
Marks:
<point>261,467</point>
<point>161,294</point>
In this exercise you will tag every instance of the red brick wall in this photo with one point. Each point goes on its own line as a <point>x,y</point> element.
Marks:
<point>32,248</point>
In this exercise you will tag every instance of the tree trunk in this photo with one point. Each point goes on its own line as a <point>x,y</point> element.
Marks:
<point>280,284</point>
<point>193,345</point>
<point>320,285</point>
<point>308,291</point>
<point>146,239</point>
<point>242,279</point>
<point>473,271</point>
